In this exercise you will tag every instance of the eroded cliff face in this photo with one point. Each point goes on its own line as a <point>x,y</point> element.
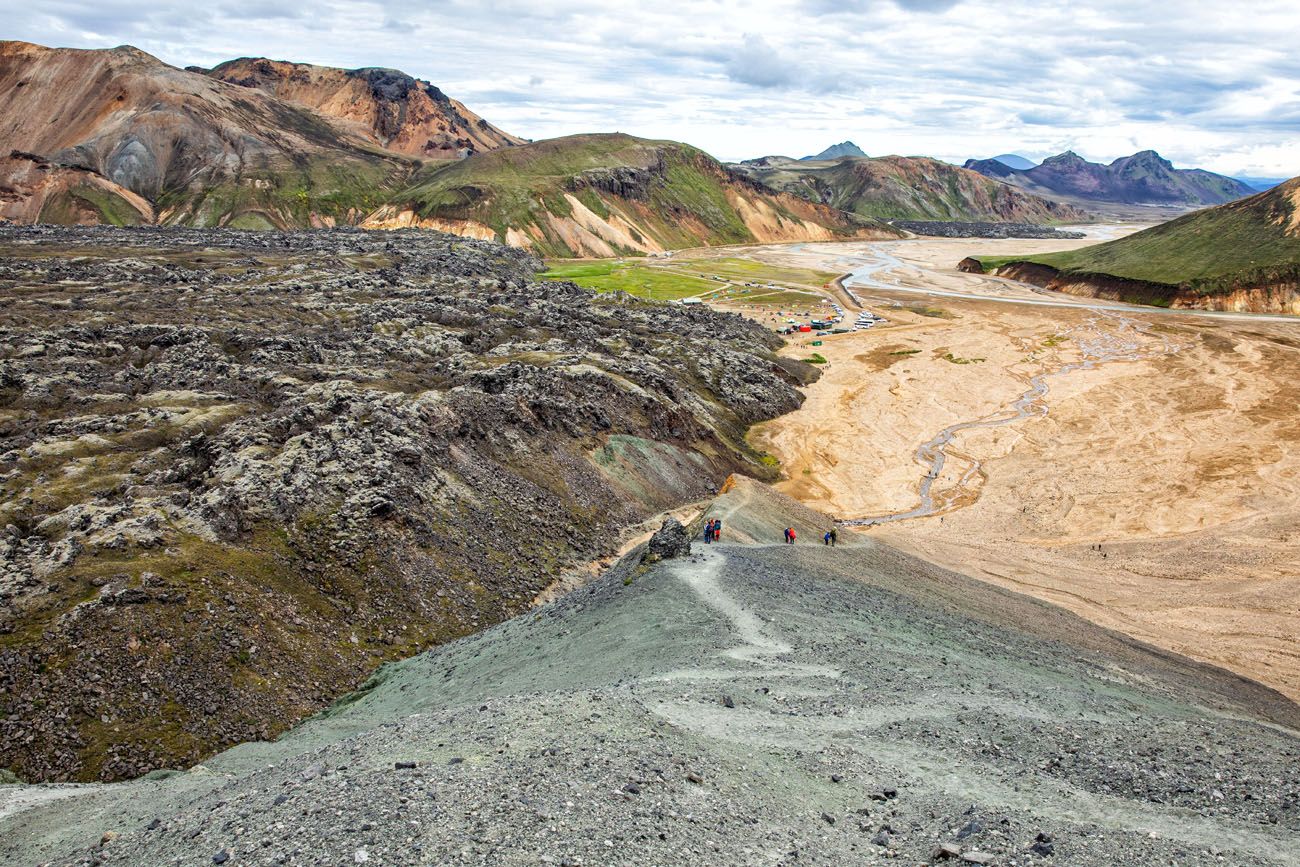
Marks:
<point>240,470</point>
<point>395,110</point>
<point>1281,298</point>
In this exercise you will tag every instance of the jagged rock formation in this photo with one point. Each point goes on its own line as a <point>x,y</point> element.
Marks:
<point>607,195</point>
<point>1242,256</point>
<point>907,188</point>
<point>1143,178</point>
<point>670,540</point>
<point>396,111</point>
<point>239,469</point>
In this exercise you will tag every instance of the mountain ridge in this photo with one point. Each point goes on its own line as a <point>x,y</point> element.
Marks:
<point>606,194</point>
<point>908,188</point>
<point>1139,179</point>
<point>399,112</point>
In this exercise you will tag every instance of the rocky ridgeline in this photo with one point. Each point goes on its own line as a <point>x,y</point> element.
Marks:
<point>942,229</point>
<point>242,469</point>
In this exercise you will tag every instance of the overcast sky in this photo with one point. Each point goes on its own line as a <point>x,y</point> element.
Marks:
<point>1210,84</point>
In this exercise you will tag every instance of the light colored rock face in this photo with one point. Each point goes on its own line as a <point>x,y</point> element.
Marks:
<point>393,109</point>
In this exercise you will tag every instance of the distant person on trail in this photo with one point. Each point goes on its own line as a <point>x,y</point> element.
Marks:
<point>787,535</point>
<point>708,531</point>
<point>835,535</point>
<point>790,535</point>
<point>717,529</point>
<point>826,538</point>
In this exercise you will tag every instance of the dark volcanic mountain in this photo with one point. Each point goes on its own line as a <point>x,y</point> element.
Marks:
<point>835,151</point>
<point>1144,178</point>
<point>396,111</point>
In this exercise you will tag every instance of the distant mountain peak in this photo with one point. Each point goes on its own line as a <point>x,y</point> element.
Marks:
<point>1067,158</point>
<point>1142,178</point>
<point>838,151</point>
<point>1015,161</point>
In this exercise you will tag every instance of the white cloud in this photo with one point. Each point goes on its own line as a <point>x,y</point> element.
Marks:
<point>1216,85</point>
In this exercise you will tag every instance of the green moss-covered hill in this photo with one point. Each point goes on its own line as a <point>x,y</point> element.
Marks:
<point>907,188</point>
<point>1248,246</point>
<point>607,194</point>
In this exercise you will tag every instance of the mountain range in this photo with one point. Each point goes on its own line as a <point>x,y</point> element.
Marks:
<point>1141,179</point>
<point>907,188</point>
<point>116,136</point>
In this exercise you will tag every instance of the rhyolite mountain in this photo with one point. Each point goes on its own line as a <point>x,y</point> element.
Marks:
<point>610,194</point>
<point>396,111</point>
<point>907,188</point>
<point>1140,179</point>
<point>1244,255</point>
<point>835,151</point>
<point>117,136</point>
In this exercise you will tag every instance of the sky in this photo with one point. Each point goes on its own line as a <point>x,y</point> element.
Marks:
<point>1214,85</point>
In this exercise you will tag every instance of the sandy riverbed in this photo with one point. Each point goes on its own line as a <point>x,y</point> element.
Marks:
<point>1181,465</point>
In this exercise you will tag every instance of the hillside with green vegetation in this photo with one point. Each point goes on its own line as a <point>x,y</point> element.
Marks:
<point>726,280</point>
<point>604,195</point>
<point>1248,245</point>
<point>907,188</point>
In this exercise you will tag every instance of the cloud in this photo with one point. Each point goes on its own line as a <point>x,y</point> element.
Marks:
<point>951,78</point>
<point>756,62</point>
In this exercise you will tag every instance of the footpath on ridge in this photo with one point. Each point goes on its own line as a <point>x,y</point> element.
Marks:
<point>746,703</point>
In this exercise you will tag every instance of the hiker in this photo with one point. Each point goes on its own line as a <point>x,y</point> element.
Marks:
<point>787,535</point>
<point>835,535</point>
<point>791,535</point>
<point>826,538</point>
<point>717,529</point>
<point>708,531</point>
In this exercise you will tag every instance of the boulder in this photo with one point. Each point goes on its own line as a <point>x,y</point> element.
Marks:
<point>670,540</point>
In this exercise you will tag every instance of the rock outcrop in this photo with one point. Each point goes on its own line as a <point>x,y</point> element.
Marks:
<point>670,540</point>
<point>241,469</point>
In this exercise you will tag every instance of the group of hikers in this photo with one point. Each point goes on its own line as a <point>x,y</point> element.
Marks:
<point>830,537</point>
<point>713,533</point>
<point>712,530</point>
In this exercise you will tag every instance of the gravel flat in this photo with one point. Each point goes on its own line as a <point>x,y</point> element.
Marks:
<point>750,703</point>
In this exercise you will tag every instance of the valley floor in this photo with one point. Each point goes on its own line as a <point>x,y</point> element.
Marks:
<point>1135,466</point>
